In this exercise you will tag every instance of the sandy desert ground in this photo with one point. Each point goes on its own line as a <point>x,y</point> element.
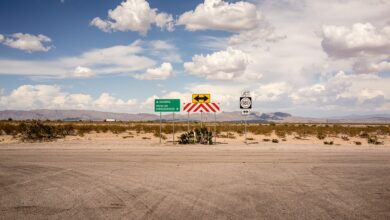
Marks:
<point>135,178</point>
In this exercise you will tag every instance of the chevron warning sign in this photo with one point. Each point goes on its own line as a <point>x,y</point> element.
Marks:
<point>201,107</point>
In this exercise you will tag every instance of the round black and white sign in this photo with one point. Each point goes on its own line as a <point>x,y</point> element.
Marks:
<point>245,102</point>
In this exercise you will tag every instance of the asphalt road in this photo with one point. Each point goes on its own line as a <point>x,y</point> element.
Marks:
<point>108,181</point>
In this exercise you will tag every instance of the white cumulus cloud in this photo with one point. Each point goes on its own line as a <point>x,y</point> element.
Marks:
<point>117,59</point>
<point>134,15</point>
<point>223,65</point>
<point>366,66</point>
<point>27,97</point>
<point>27,42</point>
<point>160,73</point>
<point>221,15</point>
<point>361,39</point>
<point>82,72</point>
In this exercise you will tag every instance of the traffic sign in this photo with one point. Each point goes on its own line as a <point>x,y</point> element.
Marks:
<point>245,111</point>
<point>167,105</point>
<point>200,98</point>
<point>201,107</point>
<point>245,102</point>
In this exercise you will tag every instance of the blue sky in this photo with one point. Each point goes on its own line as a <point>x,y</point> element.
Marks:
<point>291,55</point>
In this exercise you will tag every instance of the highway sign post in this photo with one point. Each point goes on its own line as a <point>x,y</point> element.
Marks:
<point>245,112</point>
<point>211,107</point>
<point>245,106</point>
<point>201,98</point>
<point>167,105</point>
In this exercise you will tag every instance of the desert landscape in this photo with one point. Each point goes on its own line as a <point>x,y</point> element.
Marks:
<point>128,174</point>
<point>196,109</point>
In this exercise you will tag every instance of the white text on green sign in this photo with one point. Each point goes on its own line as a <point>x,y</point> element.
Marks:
<point>167,105</point>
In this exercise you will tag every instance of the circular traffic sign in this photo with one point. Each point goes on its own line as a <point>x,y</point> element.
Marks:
<point>246,102</point>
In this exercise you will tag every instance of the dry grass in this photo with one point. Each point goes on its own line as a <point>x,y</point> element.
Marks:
<point>42,130</point>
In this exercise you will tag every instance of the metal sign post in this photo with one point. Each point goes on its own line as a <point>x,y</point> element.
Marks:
<point>245,106</point>
<point>167,105</point>
<point>160,127</point>
<point>215,128</point>
<point>188,122</point>
<point>245,130</point>
<point>201,119</point>
<point>173,126</point>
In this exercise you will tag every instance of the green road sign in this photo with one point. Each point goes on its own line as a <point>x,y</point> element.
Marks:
<point>167,105</point>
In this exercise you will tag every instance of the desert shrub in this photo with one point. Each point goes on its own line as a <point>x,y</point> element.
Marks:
<point>328,142</point>
<point>345,138</point>
<point>374,140</point>
<point>284,139</point>
<point>187,138</point>
<point>37,131</point>
<point>266,139</point>
<point>157,135</point>
<point>65,130</point>
<point>275,141</point>
<point>321,136</point>
<point>250,139</point>
<point>280,133</point>
<point>231,135</point>
<point>200,136</point>
<point>9,129</point>
<point>364,134</point>
<point>358,143</point>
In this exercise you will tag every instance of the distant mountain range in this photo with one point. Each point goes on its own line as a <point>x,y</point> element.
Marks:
<point>88,115</point>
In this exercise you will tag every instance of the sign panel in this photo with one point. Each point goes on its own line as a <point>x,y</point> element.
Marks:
<point>200,98</point>
<point>245,111</point>
<point>201,107</point>
<point>245,102</point>
<point>167,105</point>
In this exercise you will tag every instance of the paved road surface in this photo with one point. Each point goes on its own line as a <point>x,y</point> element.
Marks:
<point>112,181</point>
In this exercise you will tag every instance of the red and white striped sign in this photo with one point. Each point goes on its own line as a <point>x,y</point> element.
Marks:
<point>201,107</point>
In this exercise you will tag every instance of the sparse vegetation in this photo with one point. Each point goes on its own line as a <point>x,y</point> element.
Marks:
<point>199,136</point>
<point>275,141</point>
<point>328,142</point>
<point>374,140</point>
<point>49,130</point>
<point>321,136</point>
<point>37,131</point>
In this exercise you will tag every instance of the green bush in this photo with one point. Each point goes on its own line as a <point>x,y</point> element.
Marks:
<point>37,131</point>
<point>200,136</point>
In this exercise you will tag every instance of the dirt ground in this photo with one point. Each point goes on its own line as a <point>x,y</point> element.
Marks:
<point>140,179</point>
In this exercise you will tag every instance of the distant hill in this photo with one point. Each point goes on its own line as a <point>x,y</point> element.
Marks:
<point>73,115</point>
<point>88,115</point>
